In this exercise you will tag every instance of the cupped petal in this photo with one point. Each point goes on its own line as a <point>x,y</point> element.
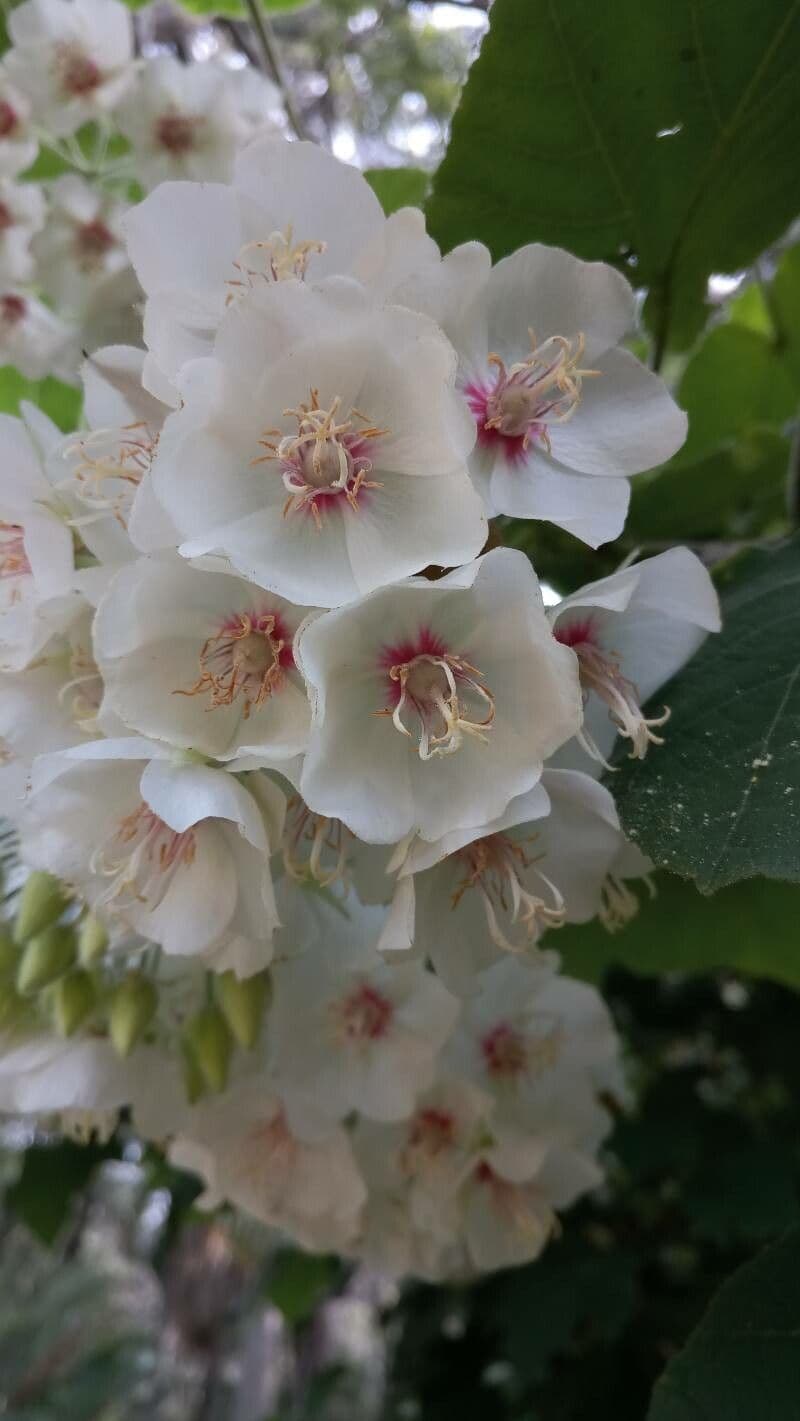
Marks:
<point>627,421</point>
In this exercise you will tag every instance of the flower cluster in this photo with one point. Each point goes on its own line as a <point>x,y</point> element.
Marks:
<point>306,778</point>
<point>74,93</point>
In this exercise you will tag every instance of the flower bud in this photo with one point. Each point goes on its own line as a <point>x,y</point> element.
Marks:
<point>42,900</point>
<point>73,999</point>
<point>45,957</point>
<point>193,1079</point>
<point>242,1003</point>
<point>210,1043</point>
<point>9,952</point>
<point>12,1005</point>
<point>133,1006</point>
<point>92,940</point>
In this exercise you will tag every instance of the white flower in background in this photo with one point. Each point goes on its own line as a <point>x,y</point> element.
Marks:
<point>542,1046</point>
<point>631,632</point>
<point>244,1150</point>
<point>176,851</point>
<point>202,661</point>
<point>22,213</point>
<point>32,337</point>
<point>292,211</point>
<point>72,58</point>
<point>103,473</point>
<point>435,703</point>
<point>36,545</point>
<point>371,1030</point>
<point>189,120</point>
<point>82,244</point>
<point>18,144</point>
<point>322,449</point>
<point>563,415</point>
<point>483,892</point>
<point>41,1073</point>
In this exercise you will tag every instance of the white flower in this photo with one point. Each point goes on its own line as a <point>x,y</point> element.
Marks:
<point>482,892</point>
<point>36,547</point>
<point>292,211</point>
<point>33,337</point>
<point>82,244</point>
<point>22,213</point>
<point>631,632</point>
<point>43,1074</point>
<point>435,703</point>
<point>542,1046</point>
<point>322,449</point>
<point>103,475</point>
<point>72,58</point>
<point>202,661</point>
<point>175,851</point>
<point>563,415</point>
<point>18,145</point>
<point>189,120</point>
<point>244,1150</point>
<point>371,1030</point>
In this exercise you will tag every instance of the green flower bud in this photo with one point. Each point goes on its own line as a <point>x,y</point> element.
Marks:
<point>210,1043</point>
<point>193,1079</point>
<point>12,1005</point>
<point>132,1008</point>
<point>92,940</point>
<point>41,902</point>
<point>242,1002</point>
<point>45,957</point>
<point>73,999</point>
<point>9,952</point>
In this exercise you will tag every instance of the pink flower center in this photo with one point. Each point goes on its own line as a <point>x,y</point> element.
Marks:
<point>515,405</point>
<point>365,1015</point>
<point>244,660</point>
<point>9,119</point>
<point>142,860</point>
<point>504,1051</point>
<point>13,308</point>
<point>7,218</point>
<point>431,1133</point>
<point>92,241</point>
<point>434,697</point>
<point>327,461</point>
<point>13,557</point>
<point>178,133</point>
<point>601,671</point>
<point>314,847</point>
<point>498,868</point>
<point>77,71</point>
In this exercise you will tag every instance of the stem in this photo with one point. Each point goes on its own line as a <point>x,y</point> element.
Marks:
<point>269,49</point>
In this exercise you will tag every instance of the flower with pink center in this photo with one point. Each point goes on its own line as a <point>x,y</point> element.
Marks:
<point>563,416</point>
<point>630,633</point>
<point>22,214</point>
<point>290,211</point>
<point>478,893</point>
<point>246,1152</point>
<point>372,1030</point>
<point>202,661</point>
<point>322,448</point>
<point>72,60</point>
<point>434,703</point>
<point>173,850</point>
<point>18,146</point>
<point>81,247</point>
<point>32,337</point>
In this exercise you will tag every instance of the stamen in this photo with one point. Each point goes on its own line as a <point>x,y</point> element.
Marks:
<point>13,557</point>
<point>245,658</point>
<point>177,132</point>
<point>543,389</point>
<point>364,1016</point>
<point>619,904</point>
<point>314,847</point>
<point>277,258</point>
<point>110,457</point>
<point>431,689</point>
<point>84,690</point>
<point>77,72</point>
<point>601,672</point>
<point>509,1053</point>
<point>324,459</point>
<point>141,860</point>
<point>494,866</point>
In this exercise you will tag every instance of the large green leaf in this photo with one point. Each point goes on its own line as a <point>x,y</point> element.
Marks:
<point>720,801</point>
<point>739,491</point>
<point>665,133</point>
<point>398,187</point>
<point>749,927</point>
<point>741,1363</point>
<point>736,381</point>
<point>61,402</point>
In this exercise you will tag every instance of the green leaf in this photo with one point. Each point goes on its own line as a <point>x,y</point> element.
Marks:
<point>298,1281</point>
<point>51,1175</point>
<point>749,927</point>
<point>739,491</point>
<point>236,8</point>
<point>736,381</point>
<point>665,134</point>
<point>740,1364</point>
<point>61,402</point>
<point>398,187</point>
<point>720,801</point>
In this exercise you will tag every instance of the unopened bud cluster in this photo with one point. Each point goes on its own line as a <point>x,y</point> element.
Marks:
<point>305,780</point>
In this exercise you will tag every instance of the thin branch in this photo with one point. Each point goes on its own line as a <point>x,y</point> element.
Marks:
<point>269,48</point>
